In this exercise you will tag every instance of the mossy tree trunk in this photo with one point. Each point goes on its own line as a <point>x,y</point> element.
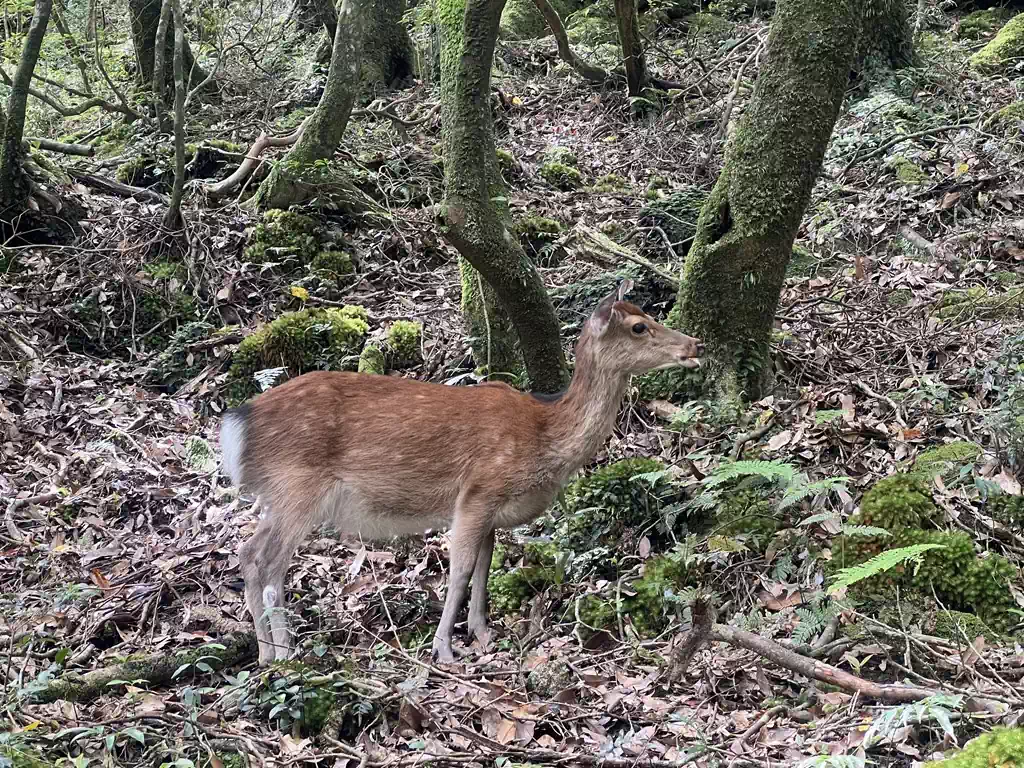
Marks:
<point>172,219</point>
<point>388,55</point>
<point>15,186</point>
<point>145,19</point>
<point>297,177</point>
<point>632,48</point>
<point>887,32</point>
<point>734,272</point>
<point>474,214</point>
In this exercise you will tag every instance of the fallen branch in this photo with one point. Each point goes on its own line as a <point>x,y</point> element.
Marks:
<point>252,157</point>
<point>116,187</point>
<point>857,158</point>
<point>156,669</point>
<point>82,150</point>
<point>609,253</point>
<point>705,630</point>
<point>587,71</point>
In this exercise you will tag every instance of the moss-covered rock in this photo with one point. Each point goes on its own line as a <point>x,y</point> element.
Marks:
<point>1000,748</point>
<point>907,171</point>
<point>308,340</point>
<point>372,360</point>
<point>978,302</point>
<point>1007,120</point>
<point>1007,509</point>
<point>177,364</point>
<point>1005,48</point>
<point>946,460</point>
<point>957,625</point>
<point>561,175</point>
<point>332,264</point>
<point>982,23</point>
<point>403,343</point>
<point>677,212</point>
<point>593,25</point>
<point>550,678</point>
<point>282,237</point>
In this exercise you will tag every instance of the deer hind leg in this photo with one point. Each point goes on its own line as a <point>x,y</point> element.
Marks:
<point>472,524</point>
<point>266,557</point>
<point>477,624</point>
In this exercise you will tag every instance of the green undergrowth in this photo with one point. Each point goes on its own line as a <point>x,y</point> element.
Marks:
<point>1006,48</point>
<point>297,342</point>
<point>902,505</point>
<point>1000,748</point>
<point>978,303</point>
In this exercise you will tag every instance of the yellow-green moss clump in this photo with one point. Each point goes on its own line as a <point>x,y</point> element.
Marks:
<point>946,460</point>
<point>1000,748</point>
<point>1008,119</point>
<point>1007,509</point>
<point>372,360</point>
<point>506,160</point>
<point>283,236</point>
<point>509,589</point>
<point>1004,49</point>
<point>611,182</point>
<point>332,264</point>
<point>536,231</point>
<point>956,625</point>
<point>308,340</point>
<point>561,175</point>
<point>898,501</point>
<point>403,339</point>
<point>908,172</point>
<point>709,27</point>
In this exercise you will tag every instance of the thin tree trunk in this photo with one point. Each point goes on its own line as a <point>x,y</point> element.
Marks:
<point>72,48</point>
<point>90,21</point>
<point>388,55</point>
<point>14,185</point>
<point>474,213</point>
<point>159,58</point>
<point>565,51</point>
<point>172,220</point>
<point>145,18</point>
<point>734,272</point>
<point>632,48</point>
<point>292,180</point>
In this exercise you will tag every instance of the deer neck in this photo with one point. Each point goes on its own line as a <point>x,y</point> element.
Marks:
<point>584,418</point>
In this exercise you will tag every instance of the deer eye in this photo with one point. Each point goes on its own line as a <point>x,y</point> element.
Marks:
<point>640,328</point>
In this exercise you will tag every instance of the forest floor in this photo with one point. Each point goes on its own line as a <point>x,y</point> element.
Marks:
<point>120,535</point>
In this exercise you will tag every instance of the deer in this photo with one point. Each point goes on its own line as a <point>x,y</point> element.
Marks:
<point>383,456</point>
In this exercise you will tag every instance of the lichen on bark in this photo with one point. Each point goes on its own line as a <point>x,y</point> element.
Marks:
<point>735,268</point>
<point>475,216</point>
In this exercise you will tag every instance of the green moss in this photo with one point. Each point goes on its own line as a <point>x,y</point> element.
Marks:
<point>17,755</point>
<point>1007,278</point>
<point>176,364</point>
<point>520,20</point>
<point>595,613</point>
<point>709,27</point>
<point>332,264</point>
<point>956,625</point>
<point>946,460</point>
<point>898,501</point>
<point>656,183</point>
<point>562,155</point>
<point>198,454</point>
<point>749,514</point>
<point>562,176</point>
<point>899,298</point>
<point>133,171</point>
<point>165,270</point>
<point>1008,119</point>
<point>678,212</point>
<point>506,160</point>
<point>801,263</point>
<point>1007,509</point>
<point>1000,748</point>
<point>907,171</point>
<point>977,302</point>
<point>1004,49</point>
<point>283,236</point>
<point>311,339</point>
<point>982,23</point>
<point>403,339</point>
<point>611,182</point>
<point>372,360</point>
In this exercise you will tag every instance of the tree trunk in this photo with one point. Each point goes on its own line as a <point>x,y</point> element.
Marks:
<point>734,272</point>
<point>172,220</point>
<point>887,33</point>
<point>565,52</point>
<point>14,184</point>
<point>474,214</point>
<point>160,60</point>
<point>632,49</point>
<point>90,21</point>
<point>297,178</point>
<point>145,18</point>
<point>388,55</point>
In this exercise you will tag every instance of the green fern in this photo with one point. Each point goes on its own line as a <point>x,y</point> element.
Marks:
<point>821,517</point>
<point>797,492</point>
<point>936,708</point>
<point>772,471</point>
<point>879,563</point>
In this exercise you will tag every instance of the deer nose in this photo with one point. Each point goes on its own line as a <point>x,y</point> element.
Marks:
<point>699,349</point>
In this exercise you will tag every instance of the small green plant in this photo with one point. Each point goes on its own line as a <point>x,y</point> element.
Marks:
<point>937,708</point>
<point>881,563</point>
<point>783,479</point>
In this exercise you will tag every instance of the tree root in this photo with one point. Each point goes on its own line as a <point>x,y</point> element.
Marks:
<point>603,250</point>
<point>252,158</point>
<point>705,630</point>
<point>156,669</point>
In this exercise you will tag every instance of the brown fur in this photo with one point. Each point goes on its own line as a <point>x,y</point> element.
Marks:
<point>380,456</point>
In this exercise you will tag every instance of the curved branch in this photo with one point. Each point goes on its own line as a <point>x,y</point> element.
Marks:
<point>565,52</point>
<point>252,158</point>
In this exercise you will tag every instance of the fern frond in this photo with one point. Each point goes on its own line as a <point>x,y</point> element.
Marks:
<point>768,470</point>
<point>864,530</point>
<point>798,492</point>
<point>653,477</point>
<point>879,563</point>
<point>821,517</point>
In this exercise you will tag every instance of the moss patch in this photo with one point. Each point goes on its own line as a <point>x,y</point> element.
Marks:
<point>977,302</point>
<point>1004,49</point>
<point>709,27</point>
<point>611,182</point>
<point>1000,748</point>
<point>561,175</point>
<point>282,237</point>
<point>907,171</point>
<point>983,23</point>
<point>403,342</point>
<point>946,460</point>
<point>898,501</point>
<point>678,212</point>
<point>1008,119</point>
<point>308,340</point>
<point>1007,509</point>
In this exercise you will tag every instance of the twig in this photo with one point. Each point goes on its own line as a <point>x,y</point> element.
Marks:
<point>900,139</point>
<point>608,251</point>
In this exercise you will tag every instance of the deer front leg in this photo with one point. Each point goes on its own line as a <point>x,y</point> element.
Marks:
<point>472,523</point>
<point>477,624</point>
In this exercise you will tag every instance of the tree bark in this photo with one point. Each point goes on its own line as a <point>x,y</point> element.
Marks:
<point>160,60</point>
<point>145,18</point>
<point>565,52</point>
<point>475,213</point>
<point>734,272</point>
<point>388,55</point>
<point>172,220</point>
<point>887,33</point>
<point>632,49</point>
<point>14,184</point>
<point>297,178</point>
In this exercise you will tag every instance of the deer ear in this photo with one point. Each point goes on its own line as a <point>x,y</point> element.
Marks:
<point>625,287</point>
<point>603,314</point>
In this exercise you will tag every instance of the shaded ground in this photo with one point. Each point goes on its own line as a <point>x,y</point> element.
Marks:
<point>121,537</point>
